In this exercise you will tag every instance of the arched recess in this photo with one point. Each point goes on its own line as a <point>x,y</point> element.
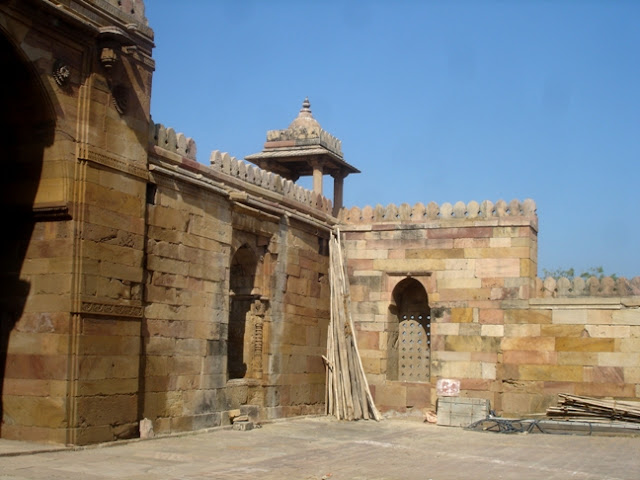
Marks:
<point>27,127</point>
<point>409,347</point>
<point>246,316</point>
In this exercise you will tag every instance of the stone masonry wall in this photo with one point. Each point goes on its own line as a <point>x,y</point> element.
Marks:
<point>198,219</point>
<point>506,335</point>
<point>78,165</point>
<point>576,336</point>
<point>473,261</point>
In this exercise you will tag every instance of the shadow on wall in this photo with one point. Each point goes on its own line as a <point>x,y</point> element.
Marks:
<point>27,124</point>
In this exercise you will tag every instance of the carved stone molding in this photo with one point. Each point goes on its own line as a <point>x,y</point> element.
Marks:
<point>117,164</point>
<point>111,310</point>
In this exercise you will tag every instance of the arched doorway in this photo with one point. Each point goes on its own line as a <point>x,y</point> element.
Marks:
<point>240,344</point>
<point>409,349</point>
<point>27,125</point>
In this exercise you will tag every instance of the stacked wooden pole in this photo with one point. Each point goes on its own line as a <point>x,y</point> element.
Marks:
<point>593,409</point>
<point>348,396</point>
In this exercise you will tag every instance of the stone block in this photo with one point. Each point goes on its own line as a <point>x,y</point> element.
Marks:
<point>462,315</point>
<point>627,345</point>
<point>616,390</point>
<point>497,267</point>
<point>460,370</point>
<point>491,316</point>
<point>521,404</point>
<point>570,317</point>
<point>524,357</point>
<point>528,343</point>
<point>547,373</point>
<point>608,331</point>
<point>618,359</point>
<point>472,344</point>
<point>629,316</point>
<point>461,411</point>
<point>561,330</point>
<point>604,374</point>
<point>34,411</point>
<point>584,344</point>
<point>43,367</point>
<point>577,358</point>
<point>108,410</point>
<point>418,395</point>
<point>391,396</point>
<point>528,316</point>
<point>492,330</point>
<point>523,330</point>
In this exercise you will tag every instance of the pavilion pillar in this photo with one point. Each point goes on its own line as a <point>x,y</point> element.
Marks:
<point>317,177</point>
<point>338,188</point>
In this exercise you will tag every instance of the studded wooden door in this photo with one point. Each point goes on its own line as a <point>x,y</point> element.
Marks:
<point>414,342</point>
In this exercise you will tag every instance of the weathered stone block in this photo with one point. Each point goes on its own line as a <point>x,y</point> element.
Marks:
<point>584,344</point>
<point>528,343</point>
<point>462,315</point>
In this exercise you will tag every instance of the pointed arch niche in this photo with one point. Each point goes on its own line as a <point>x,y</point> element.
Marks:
<point>248,307</point>
<point>409,340</point>
<point>244,316</point>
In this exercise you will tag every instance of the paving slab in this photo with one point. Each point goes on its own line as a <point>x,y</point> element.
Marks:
<point>323,448</point>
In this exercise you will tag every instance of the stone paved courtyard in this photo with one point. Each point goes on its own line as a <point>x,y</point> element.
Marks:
<point>317,448</point>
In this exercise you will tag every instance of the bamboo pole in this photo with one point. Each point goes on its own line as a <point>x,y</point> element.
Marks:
<point>348,395</point>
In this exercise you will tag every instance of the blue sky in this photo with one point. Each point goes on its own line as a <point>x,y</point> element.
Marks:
<point>433,101</point>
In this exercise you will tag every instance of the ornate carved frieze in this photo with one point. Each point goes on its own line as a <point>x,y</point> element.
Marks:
<point>111,310</point>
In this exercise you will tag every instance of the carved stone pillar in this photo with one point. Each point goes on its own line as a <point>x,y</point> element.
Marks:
<point>258,311</point>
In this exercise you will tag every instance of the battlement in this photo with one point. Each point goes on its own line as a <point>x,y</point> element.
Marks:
<point>432,211</point>
<point>239,170</point>
<point>591,287</point>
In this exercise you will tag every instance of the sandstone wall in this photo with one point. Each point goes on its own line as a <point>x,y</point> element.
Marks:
<point>577,337</point>
<point>472,260</point>
<point>507,336</point>
<point>199,221</point>
<point>75,187</point>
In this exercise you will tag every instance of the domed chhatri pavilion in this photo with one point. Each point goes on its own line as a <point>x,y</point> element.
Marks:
<point>305,149</point>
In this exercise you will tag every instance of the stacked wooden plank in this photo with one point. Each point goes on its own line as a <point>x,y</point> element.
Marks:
<point>348,396</point>
<point>595,409</point>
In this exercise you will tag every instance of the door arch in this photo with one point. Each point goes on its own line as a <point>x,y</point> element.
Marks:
<point>409,349</point>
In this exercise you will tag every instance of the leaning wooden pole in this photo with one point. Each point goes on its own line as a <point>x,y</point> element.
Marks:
<point>348,395</point>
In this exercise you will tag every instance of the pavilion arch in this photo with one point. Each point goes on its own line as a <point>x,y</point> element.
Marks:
<point>409,340</point>
<point>27,128</point>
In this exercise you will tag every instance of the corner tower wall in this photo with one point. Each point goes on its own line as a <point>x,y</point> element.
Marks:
<point>475,261</point>
<point>506,335</point>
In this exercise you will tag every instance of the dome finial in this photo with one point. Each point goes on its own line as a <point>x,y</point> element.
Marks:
<point>306,106</point>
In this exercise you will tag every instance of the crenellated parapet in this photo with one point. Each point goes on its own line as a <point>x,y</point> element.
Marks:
<point>591,287</point>
<point>226,164</point>
<point>168,139</point>
<point>432,211</point>
<point>231,170</point>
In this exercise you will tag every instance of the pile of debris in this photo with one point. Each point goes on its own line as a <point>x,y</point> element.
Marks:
<point>574,407</point>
